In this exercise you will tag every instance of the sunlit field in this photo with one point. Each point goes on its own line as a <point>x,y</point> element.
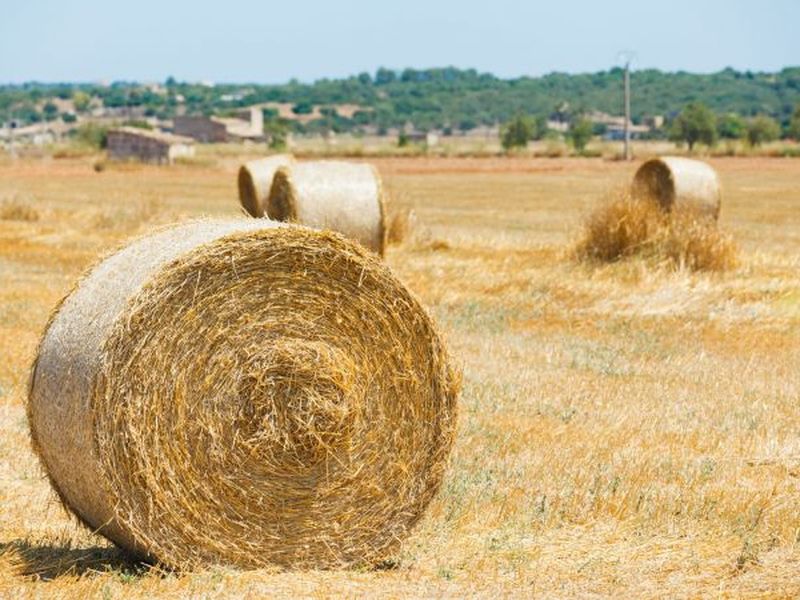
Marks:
<point>628,429</point>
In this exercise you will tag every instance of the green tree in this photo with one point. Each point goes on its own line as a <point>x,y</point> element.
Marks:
<point>328,111</point>
<point>696,123</point>
<point>540,127</point>
<point>385,76</point>
<point>303,108</point>
<point>580,132</point>
<point>92,134</point>
<point>517,132</point>
<point>50,111</point>
<point>762,129</point>
<point>794,124</point>
<point>467,123</point>
<point>731,126</point>
<point>277,133</point>
<point>81,101</point>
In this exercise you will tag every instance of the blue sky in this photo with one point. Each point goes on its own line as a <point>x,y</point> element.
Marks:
<point>271,42</point>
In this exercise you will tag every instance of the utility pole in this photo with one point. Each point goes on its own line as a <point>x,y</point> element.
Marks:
<point>627,110</point>
<point>626,57</point>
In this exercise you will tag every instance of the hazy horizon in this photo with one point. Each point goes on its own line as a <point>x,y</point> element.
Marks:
<point>397,70</point>
<point>250,42</point>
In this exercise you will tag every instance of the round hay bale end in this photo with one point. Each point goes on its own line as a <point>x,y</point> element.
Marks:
<point>244,393</point>
<point>340,196</point>
<point>674,181</point>
<point>255,180</point>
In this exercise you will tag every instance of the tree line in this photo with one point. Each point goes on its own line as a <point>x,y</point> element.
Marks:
<point>448,99</point>
<point>695,123</point>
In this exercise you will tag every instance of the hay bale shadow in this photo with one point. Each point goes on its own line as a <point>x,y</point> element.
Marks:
<point>47,561</point>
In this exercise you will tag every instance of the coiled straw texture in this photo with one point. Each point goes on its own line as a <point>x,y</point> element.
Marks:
<point>244,393</point>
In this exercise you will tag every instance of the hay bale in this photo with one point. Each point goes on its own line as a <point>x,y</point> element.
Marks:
<point>244,393</point>
<point>671,181</point>
<point>255,180</point>
<point>341,196</point>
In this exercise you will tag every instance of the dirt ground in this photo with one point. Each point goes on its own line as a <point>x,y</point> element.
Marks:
<point>626,430</point>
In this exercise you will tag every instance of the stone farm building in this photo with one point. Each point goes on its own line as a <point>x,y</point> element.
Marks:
<point>206,130</point>
<point>126,143</point>
<point>247,124</point>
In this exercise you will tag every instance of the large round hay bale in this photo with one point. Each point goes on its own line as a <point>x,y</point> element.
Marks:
<point>255,181</point>
<point>674,181</point>
<point>341,196</point>
<point>244,393</point>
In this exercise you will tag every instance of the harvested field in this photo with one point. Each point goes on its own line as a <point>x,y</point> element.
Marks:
<point>624,429</point>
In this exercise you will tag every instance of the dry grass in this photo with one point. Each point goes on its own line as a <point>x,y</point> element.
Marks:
<point>625,431</point>
<point>400,225</point>
<point>17,210</point>
<point>694,242</point>
<point>625,227</point>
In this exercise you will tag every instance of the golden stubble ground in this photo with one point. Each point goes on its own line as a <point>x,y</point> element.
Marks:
<point>625,430</point>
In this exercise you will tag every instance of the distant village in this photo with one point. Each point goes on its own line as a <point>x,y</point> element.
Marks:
<point>162,140</point>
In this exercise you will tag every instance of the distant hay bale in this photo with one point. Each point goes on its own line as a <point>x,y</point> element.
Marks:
<point>255,181</point>
<point>341,196</point>
<point>244,393</point>
<point>674,181</point>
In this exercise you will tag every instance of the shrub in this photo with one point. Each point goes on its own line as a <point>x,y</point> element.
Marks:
<point>762,129</point>
<point>540,129</point>
<point>303,108</point>
<point>92,134</point>
<point>517,132</point>
<point>794,124</point>
<point>731,127</point>
<point>277,134</point>
<point>696,123</point>
<point>580,132</point>
<point>81,101</point>
<point>50,111</point>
